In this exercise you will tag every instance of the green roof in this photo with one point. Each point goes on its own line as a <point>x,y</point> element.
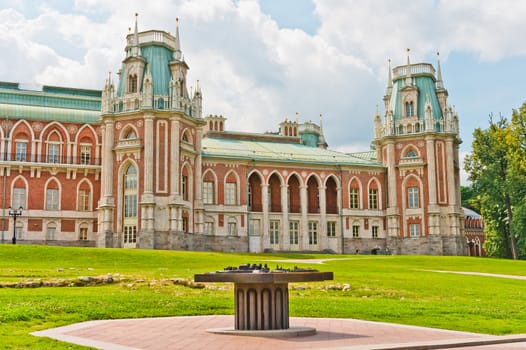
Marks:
<point>278,152</point>
<point>51,103</point>
<point>426,89</point>
<point>158,60</point>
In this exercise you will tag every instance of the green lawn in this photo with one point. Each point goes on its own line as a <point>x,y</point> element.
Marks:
<point>382,288</point>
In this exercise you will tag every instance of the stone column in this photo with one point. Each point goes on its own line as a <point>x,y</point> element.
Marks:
<point>284,239</point>
<point>174,158</point>
<point>265,239</point>
<point>431,171</point>
<point>393,216</point>
<point>303,226</point>
<point>322,226</point>
<point>148,158</point>
<point>198,167</point>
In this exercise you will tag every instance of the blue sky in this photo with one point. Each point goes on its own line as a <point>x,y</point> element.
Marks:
<point>260,62</point>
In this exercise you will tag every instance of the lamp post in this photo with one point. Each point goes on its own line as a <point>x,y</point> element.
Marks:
<point>15,213</point>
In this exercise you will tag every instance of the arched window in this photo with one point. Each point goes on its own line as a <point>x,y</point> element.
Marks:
<point>411,154</point>
<point>209,188</point>
<point>52,196</point>
<point>83,196</point>
<point>274,190</point>
<point>254,193</point>
<point>132,83</point>
<point>373,195</point>
<point>131,135</point>
<point>354,195</point>
<point>294,194</point>
<point>130,206</point>
<point>409,109</point>
<point>331,196</point>
<point>313,196</point>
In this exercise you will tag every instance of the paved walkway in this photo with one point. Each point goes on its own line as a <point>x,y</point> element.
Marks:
<point>190,333</point>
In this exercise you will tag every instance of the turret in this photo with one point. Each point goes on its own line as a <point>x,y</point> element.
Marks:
<point>107,95</point>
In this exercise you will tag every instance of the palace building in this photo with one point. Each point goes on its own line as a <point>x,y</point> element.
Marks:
<point>137,165</point>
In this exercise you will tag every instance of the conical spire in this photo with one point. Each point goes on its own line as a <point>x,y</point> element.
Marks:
<point>408,79</point>
<point>440,83</point>
<point>177,51</point>
<point>389,79</point>
<point>136,50</point>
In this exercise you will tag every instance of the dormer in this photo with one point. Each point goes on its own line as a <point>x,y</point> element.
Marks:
<point>215,123</point>
<point>288,128</point>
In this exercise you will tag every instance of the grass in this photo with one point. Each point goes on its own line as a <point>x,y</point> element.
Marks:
<point>399,289</point>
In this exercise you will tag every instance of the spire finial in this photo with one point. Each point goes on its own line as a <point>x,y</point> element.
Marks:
<point>407,51</point>
<point>377,110</point>
<point>297,116</point>
<point>389,76</point>
<point>136,51</point>
<point>177,51</point>
<point>440,83</point>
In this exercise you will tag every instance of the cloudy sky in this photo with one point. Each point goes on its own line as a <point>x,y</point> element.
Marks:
<point>260,62</point>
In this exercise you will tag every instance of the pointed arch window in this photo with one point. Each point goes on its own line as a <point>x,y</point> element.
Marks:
<point>132,83</point>
<point>19,197</point>
<point>411,154</point>
<point>52,199</point>
<point>409,109</point>
<point>130,192</point>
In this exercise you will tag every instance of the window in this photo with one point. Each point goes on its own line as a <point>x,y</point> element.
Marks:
<point>83,235</point>
<point>249,197</point>
<point>409,109</point>
<point>50,233</point>
<point>184,187</point>
<point>353,198</point>
<point>130,179</point>
<point>331,228</point>
<point>53,152</point>
<point>130,194</point>
<point>85,154</point>
<point>414,230</point>
<point>132,85</point>
<point>373,198</point>
<point>274,232</point>
<point>355,231</point>
<point>130,205</point>
<point>130,234</point>
<point>52,199</point>
<point>230,193</point>
<point>411,154</point>
<point>209,227</point>
<point>19,198</point>
<point>20,151</point>
<point>232,228</point>
<point>208,192</point>
<point>374,231</point>
<point>313,232</point>
<point>254,227</point>
<point>83,200</point>
<point>412,197</point>
<point>293,232</point>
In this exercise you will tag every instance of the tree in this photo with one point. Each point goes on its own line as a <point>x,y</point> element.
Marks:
<point>468,198</point>
<point>491,171</point>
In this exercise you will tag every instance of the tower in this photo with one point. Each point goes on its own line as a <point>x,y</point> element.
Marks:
<point>418,143</point>
<point>152,130</point>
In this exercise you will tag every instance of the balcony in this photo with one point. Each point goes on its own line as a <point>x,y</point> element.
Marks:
<point>29,158</point>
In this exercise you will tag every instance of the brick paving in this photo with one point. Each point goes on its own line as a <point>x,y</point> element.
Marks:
<point>191,333</point>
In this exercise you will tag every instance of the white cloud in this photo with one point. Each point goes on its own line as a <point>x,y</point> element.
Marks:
<point>251,70</point>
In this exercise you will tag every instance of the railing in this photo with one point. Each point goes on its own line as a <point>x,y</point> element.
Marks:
<point>49,159</point>
<point>420,68</point>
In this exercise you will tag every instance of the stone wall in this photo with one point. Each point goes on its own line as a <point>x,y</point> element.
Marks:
<point>199,242</point>
<point>429,245</point>
<point>63,243</point>
<point>363,245</point>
